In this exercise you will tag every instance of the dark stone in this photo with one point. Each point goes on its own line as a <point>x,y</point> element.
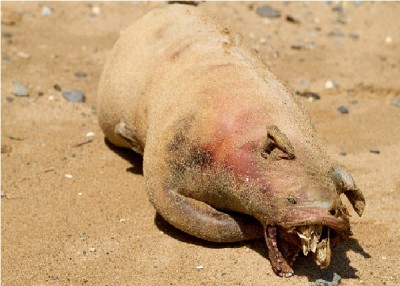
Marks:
<point>309,94</point>
<point>343,109</point>
<point>291,19</point>
<point>267,11</point>
<point>74,95</point>
<point>192,3</point>
<point>374,151</point>
<point>330,279</point>
<point>57,87</point>
<point>9,99</point>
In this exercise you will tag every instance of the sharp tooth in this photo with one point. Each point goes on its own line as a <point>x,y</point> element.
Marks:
<point>323,252</point>
<point>315,236</point>
<point>313,245</point>
<point>304,232</point>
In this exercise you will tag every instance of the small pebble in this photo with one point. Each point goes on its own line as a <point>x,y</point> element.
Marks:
<point>310,95</point>
<point>47,11</point>
<point>80,194</point>
<point>122,220</point>
<point>388,40</point>
<point>301,45</point>
<point>330,84</point>
<point>6,35</point>
<point>267,11</point>
<point>96,10</point>
<point>374,151</point>
<point>3,194</point>
<point>57,87</point>
<point>354,36</point>
<point>330,279</point>
<point>343,153</point>
<point>68,176</point>
<point>92,249</point>
<point>338,7</point>
<point>291,19</point>
<point>395,101</point>
<point>80,74</point>
<point>7,58</point>
<point>90,134</point>
<point>23,55</point>
<point>5,149</point>
<point>19,89</point>
<point>200,267</point>
<point>51,97</point>
<point>9,99</point>
<point>74,95</point>
<point>336,33</point>
<point>343,109</point>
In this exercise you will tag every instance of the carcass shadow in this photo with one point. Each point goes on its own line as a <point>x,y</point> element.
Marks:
<point>340,263</point>
<point>135,159</point>
<point>304,266</point>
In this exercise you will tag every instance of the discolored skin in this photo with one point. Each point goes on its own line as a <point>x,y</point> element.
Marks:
<point>228,155</point>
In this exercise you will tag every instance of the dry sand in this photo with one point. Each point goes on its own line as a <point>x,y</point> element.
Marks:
<point>96,226</point>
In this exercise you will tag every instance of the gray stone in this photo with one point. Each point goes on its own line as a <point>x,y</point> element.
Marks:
<point>330,279</point>
<point>335,33</point>
<point>267,11</point>
<point>301,45</point>
<point>74,95</point>
<point>80,74</point>
<point>395,101</point>
<point>19,89</point>
<point>343,109</point>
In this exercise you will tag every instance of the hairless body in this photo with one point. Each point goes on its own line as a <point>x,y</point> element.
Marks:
<point>228,154</point>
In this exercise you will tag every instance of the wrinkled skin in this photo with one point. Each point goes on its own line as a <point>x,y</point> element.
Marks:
<point>228,153</point>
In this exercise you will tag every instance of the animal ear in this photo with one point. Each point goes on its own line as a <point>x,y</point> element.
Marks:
<point>276,145</point>
<point>346,185</point>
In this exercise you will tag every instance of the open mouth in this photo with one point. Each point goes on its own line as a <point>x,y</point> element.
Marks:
<point>314,235</point>
<point>285,244</point>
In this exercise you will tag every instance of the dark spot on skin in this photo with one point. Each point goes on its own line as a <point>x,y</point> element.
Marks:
<point>177,142</point>
<point>199,157</point>
<point>184,154</point>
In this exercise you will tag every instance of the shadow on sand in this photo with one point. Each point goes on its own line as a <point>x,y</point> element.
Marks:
<point>135,159</point>
<point>304,266</point>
